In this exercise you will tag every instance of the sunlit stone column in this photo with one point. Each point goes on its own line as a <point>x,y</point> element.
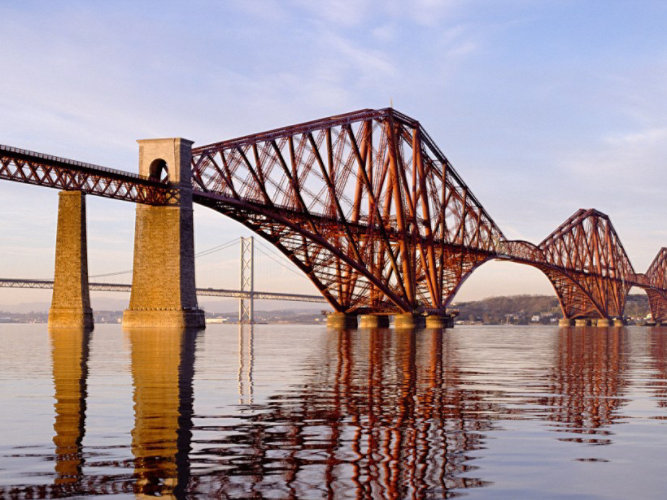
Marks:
<point>341,320</point>
<point>163,280</point>
<point>373,321</point>
<point>409,320</point>
<point>70,303</point>
<point>439,321</point>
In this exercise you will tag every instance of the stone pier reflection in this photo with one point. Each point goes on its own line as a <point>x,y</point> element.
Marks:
<point>162,372</point>
<point>69,353</point>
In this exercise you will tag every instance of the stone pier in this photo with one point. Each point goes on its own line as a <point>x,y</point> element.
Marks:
<point>163,279</point>
<point>373,321</point>
<point>70,303</point>
<point>564,322</point>
<point>409,320</point>
<point>341,321</point>
<point>439,321</point>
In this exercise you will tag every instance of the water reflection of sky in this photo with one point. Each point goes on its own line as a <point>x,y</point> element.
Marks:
<point>283,411</point>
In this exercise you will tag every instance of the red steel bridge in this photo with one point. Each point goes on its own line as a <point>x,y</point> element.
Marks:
<point>373,213</point>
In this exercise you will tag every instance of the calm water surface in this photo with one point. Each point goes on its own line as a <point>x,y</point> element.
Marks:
<point>305,412</point>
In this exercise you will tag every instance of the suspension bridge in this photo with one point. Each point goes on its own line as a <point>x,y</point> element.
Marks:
<point>246,293</point>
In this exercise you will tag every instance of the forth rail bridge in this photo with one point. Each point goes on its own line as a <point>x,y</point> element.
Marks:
<point>365,204</point>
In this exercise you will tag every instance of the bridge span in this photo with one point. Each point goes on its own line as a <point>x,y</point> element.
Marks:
<point>364,203</point>
<point>201,292</point>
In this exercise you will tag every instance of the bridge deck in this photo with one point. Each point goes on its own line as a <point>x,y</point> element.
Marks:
<point>204,292</point>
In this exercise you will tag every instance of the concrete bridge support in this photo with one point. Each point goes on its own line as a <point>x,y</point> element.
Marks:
<point>409,321</point>
<point>342,321</point>
<point>70,302</point>
<point>373,321</point>
<point>163,280</point>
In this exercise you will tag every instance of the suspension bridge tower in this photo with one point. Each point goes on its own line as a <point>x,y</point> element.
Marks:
<point>247,305</point>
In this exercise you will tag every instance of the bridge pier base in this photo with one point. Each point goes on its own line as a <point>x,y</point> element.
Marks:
<point>582,322</point>
<point>564,322</point>
<point>603,323</point>
<point>619,322</point>
<point>373,321</point>
<point>70,302</point>
<point>341,321</point>
<point>439,321</point>
<point>409,320</point>
<point>163,277</point>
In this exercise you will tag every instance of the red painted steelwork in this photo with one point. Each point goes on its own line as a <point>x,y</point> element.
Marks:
<point>364,203</point>
<point>588,266</point>
<point>38,169</point>
<point>657,277</point>
<point>370,209</point>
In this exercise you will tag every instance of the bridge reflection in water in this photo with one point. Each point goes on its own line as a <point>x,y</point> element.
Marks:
<point>162,372</point>
<point>69,352</point>
<point>587,382</point>
<point>385,415</point>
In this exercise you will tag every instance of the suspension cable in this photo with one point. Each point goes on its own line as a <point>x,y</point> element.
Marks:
<point>203,253</point>
<point>277,261</point>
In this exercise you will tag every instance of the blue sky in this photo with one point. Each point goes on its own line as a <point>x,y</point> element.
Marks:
<point>543,107</point>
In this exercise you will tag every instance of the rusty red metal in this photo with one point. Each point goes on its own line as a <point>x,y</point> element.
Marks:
<point>656,275</point>
<point>373,213</point>
<point>364,203</point>
<point>588,266</point>
<point>29,167</point>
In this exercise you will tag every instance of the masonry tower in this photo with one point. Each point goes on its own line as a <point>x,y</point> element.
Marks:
<point>163,279</point>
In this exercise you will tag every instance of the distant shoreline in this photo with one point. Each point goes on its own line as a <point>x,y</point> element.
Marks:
<point>506,309</point>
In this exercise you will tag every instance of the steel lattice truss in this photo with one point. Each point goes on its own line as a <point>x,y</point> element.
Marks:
<point>657,277</point>
<point>588,266</point>
<point>585,262</point>
<point>369,208</point>
<point>38,169</point>
<point>364,203</point>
